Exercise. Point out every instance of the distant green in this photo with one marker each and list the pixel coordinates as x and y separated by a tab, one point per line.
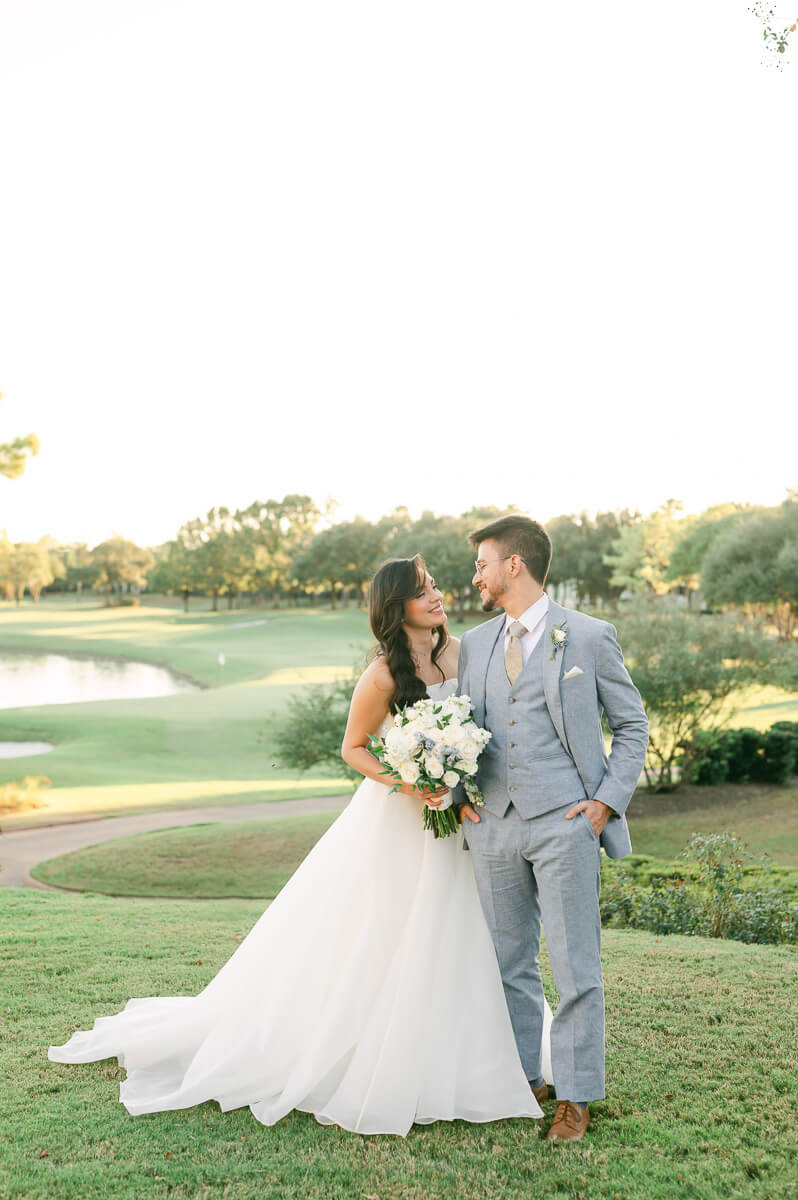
199	748
189	749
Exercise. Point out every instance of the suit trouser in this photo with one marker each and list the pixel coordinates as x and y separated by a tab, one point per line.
547	867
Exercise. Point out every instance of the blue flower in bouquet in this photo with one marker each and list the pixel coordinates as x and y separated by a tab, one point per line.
434	742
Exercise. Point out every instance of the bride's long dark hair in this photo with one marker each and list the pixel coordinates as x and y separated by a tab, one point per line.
396	581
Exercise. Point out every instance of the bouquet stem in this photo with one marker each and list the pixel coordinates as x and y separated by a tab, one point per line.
441	823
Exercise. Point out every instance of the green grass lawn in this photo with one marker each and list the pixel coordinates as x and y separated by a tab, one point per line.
234	858
198	748
189	749
701	1078
765	816
255	858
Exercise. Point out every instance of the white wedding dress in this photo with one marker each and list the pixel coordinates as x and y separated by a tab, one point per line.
368	994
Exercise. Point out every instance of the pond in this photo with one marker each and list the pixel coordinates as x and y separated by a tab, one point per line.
23	749
30	679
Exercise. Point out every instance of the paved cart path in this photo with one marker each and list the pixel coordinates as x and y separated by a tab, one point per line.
23	849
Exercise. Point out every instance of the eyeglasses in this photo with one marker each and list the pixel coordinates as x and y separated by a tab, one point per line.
480	564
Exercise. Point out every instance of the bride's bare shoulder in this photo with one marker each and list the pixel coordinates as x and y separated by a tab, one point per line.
377	677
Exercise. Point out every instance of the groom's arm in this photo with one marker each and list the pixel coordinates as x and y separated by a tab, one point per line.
627	720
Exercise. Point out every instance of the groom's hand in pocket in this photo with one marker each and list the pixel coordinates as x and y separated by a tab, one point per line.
466	810
598	814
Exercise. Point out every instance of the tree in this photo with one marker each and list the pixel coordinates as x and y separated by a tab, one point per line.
443	544
579	549
754	564
687	668
14	455
121	564
699	534
24	565
344	555
312	730
176	570
640	555
276	531
208	539
6	557
77	566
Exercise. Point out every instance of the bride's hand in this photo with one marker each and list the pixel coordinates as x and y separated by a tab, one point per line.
433	799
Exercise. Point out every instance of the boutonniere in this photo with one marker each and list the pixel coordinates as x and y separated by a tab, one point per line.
559	636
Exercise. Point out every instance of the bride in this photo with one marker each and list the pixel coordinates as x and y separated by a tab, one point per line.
368	993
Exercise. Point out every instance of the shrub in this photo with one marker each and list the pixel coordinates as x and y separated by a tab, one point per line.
689	671
790	727
744	748
23	795
707	761
708	901
776	759
735	755
311	733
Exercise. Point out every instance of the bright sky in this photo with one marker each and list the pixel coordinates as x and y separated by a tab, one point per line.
422	253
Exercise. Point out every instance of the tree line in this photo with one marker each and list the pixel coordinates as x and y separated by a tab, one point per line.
290	550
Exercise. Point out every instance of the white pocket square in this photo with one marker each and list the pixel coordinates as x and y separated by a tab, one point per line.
573	671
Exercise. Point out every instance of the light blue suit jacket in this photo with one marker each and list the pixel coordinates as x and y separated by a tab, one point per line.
575	705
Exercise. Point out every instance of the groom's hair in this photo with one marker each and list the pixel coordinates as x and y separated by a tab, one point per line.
522	536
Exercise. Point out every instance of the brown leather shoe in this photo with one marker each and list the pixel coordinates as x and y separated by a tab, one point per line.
541	1093
570	1123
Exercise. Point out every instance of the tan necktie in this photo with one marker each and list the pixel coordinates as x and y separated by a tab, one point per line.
513	658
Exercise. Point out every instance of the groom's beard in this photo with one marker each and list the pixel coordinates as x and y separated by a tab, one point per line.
489	602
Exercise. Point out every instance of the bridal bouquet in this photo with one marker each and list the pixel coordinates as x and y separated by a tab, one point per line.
434	742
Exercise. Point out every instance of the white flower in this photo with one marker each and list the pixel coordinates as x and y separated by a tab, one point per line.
398	745
433	767
469	747
409	772
559	637
451	779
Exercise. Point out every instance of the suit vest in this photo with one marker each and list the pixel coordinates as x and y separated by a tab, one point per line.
524	763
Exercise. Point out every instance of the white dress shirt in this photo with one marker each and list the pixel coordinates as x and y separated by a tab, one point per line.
534	619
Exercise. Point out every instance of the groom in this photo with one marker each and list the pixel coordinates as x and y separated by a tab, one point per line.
539	676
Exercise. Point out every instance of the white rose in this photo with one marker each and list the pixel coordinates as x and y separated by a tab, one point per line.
409	772
434	767
451	779
397	745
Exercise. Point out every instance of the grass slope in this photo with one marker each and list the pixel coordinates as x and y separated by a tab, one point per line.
255	858
701	1083
236	858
